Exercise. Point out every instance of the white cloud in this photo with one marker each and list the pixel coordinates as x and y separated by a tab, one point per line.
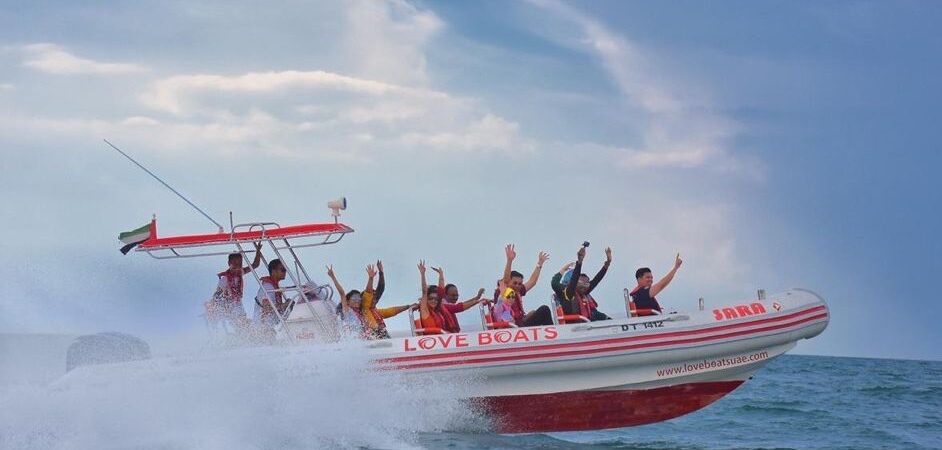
490	133
681	128
54	59
338	108
387	40
313	115
172	94
380	101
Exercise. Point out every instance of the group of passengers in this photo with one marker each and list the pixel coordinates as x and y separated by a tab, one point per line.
438	305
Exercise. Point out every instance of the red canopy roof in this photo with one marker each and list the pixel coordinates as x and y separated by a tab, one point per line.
292	231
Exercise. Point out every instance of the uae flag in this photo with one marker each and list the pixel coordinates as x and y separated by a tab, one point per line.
132	238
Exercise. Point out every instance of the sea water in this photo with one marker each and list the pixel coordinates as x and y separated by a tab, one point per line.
290	399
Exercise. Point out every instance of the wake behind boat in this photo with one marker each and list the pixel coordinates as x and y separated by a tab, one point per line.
571	375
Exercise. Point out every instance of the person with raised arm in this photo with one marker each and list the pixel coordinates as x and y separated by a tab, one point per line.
645	293
351	316
514	280
503	306
430	312
451	306
372	315
574	289
226	303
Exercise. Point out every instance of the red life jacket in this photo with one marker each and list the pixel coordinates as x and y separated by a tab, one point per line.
448	322
587	304
278	298
233	293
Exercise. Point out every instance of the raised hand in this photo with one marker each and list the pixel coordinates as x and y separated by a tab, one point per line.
480	293
421	266
258	246
370	271
608	255
379	265
439	271
330	271
678	261
542	258
510	252
581	253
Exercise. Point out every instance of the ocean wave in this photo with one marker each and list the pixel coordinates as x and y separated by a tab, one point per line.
903	389
774	409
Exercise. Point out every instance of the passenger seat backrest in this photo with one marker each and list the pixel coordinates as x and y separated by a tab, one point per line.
564	318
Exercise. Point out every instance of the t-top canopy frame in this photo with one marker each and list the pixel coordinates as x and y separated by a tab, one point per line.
199	245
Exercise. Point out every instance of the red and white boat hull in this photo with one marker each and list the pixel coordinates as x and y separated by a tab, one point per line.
614	373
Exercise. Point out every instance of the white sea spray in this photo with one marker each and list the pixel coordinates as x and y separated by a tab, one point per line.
290	397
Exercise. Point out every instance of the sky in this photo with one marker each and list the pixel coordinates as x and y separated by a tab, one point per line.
772	144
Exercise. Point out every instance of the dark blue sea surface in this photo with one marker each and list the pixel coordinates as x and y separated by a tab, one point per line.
795	402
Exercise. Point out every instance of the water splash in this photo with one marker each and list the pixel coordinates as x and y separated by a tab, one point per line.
249	398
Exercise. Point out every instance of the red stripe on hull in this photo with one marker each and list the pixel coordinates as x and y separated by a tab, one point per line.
595	410
675	342
596	342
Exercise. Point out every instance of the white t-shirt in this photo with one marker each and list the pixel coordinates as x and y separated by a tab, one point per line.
263	298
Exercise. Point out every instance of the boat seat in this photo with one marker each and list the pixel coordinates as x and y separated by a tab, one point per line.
641	312
564	318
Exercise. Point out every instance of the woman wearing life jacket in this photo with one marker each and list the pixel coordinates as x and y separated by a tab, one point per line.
431	314
351	317
646	290
447	295
374	325
574	290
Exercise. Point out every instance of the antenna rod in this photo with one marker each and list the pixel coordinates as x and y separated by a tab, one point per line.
165	184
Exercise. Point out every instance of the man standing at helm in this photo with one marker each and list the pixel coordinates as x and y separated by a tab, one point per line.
270	301
227	300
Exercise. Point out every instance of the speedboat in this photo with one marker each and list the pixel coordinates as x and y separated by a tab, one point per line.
572	375
615	373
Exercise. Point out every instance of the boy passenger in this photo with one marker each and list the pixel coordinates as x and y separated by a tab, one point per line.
227	300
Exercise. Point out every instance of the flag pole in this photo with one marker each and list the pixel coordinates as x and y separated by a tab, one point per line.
221	229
